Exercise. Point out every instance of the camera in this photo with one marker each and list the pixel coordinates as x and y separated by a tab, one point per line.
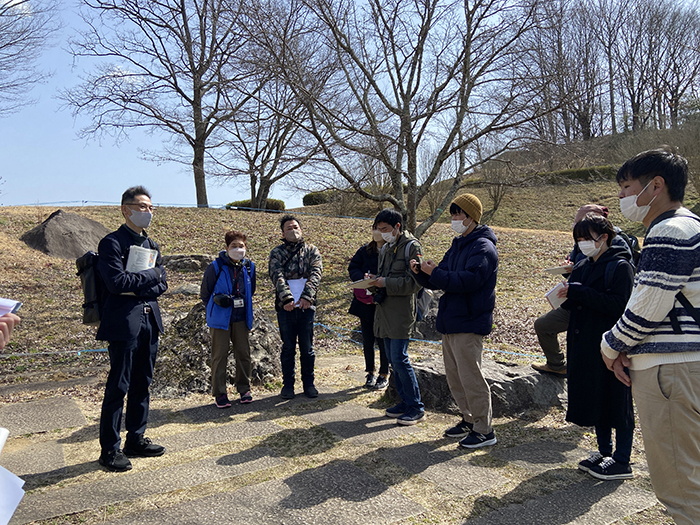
379	296
223	300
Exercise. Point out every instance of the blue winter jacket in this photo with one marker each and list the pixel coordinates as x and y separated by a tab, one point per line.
467	274
218	280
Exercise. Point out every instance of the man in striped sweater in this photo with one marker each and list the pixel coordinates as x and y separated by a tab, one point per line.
657	340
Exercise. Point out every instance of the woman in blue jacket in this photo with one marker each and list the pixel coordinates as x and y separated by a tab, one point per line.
467	274
227	291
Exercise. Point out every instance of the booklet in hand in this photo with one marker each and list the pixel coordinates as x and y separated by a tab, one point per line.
553	298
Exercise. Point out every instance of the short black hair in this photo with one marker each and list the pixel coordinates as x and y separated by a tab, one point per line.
595	223
129	195
389	216
662	162
456	210
287	218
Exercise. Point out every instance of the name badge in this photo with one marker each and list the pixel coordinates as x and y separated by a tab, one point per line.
238	303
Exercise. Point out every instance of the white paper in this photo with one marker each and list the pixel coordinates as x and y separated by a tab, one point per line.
140	259
559	270
7	305
296	286
3	437
553	298
11	494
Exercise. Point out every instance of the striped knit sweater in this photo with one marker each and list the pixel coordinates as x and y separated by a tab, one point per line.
670	263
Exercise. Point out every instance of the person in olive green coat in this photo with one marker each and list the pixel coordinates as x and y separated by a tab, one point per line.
395	314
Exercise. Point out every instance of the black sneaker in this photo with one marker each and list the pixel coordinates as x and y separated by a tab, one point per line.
115	460
310	391
371	381
411	417
476	440
222	401
382	382
287	392
594	459
609	469
143	447
461	429
396	410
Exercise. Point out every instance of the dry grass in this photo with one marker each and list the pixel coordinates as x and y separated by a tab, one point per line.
51	323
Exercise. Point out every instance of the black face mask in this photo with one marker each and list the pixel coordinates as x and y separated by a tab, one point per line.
223	300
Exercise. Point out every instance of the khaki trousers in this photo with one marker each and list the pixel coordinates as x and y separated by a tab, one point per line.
668	403
462	355
238	335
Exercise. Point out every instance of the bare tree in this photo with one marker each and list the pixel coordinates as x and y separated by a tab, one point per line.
26	30
265	139
412	72
165	66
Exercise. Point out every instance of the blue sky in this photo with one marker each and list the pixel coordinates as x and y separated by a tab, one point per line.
43	160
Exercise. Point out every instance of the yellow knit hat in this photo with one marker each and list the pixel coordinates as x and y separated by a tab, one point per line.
469	205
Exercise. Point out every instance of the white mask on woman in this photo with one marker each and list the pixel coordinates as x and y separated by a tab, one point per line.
236	254
588	248
630	209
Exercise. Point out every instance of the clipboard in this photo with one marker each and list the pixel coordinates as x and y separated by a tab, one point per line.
363	283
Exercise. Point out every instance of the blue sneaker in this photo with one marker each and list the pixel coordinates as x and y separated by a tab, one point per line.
413	416
396	410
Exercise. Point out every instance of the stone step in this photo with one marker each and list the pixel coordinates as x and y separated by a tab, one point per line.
132	485
338	493
43	415
590	502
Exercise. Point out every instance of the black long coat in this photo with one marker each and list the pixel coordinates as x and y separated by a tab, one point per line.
596	397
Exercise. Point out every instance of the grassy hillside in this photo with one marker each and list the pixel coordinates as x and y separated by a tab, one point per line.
532	226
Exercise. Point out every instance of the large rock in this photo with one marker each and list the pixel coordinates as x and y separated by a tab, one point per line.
184	355
65	235
187	263
514	388
425	328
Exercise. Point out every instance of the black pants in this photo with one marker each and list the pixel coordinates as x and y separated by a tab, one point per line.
131	372
366	314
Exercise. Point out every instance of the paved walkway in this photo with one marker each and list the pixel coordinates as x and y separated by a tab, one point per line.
332	460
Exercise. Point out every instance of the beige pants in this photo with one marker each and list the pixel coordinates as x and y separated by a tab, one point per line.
668	403
462	355
238	335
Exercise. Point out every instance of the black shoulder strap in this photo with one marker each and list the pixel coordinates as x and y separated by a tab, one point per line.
296	250
692	311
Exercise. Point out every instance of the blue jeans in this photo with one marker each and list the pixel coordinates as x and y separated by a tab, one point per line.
404	376
297	326
623	442
131	371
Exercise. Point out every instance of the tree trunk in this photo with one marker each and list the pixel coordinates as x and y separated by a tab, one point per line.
200	183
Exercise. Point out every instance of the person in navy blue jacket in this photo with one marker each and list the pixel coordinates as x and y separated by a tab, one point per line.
467	274
362	264
131	322
227	290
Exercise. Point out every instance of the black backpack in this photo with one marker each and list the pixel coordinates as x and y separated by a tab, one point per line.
91	283
633	244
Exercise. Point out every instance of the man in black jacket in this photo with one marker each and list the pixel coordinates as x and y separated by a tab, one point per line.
131	322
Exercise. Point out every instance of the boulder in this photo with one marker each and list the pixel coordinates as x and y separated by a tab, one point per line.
65	235
187	263
514	388
425	328
184	355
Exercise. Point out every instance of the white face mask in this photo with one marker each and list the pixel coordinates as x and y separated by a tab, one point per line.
588	248
629	208
236	254
293	235
459	226
389	236
141	219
